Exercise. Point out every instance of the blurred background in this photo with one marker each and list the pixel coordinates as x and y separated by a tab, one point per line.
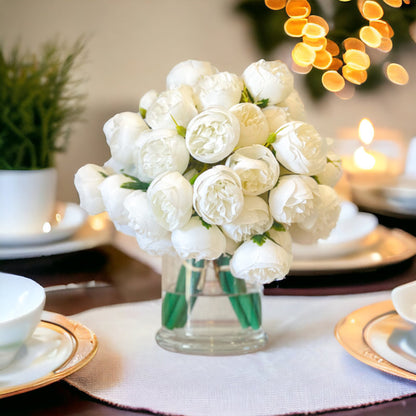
132	44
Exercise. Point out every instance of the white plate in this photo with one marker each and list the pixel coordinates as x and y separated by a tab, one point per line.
97	230
71	219
393	246
402	193
394	340
397	199
355	331
57	348
350	235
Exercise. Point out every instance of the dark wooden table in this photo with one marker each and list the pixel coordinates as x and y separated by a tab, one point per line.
116	278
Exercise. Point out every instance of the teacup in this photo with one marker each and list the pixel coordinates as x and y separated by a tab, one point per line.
21	304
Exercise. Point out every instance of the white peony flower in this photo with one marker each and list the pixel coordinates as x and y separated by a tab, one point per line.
171	106
122	132
322	220
218	90
113	197
254	219
87	179
146	101
260	263
300	148
276	117
292	200
257	168
170	196
141	218
159	151
270	80
218	196
198	241
294	106
188	73
253	124
332	172
282	237
212	135
156	246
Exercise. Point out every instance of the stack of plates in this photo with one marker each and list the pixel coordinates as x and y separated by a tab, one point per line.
72	231
383	335
396	197
357	242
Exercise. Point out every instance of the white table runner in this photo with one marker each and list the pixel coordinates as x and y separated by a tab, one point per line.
303	369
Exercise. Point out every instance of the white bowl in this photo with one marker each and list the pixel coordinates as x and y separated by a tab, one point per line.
21	304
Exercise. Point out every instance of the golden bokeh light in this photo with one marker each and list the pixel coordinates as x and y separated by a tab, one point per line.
356	59
370	36
354	43
275	4
333	81
294	27
322	60
371	10
318	44
303	54
298	8
386	45
345	64
335	64
393	3
354	76
382	27
332	47
397	74
313	31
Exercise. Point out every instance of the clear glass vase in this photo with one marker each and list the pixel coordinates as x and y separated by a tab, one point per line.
207	311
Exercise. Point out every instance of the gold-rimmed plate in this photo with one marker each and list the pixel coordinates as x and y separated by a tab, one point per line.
352	333
58	348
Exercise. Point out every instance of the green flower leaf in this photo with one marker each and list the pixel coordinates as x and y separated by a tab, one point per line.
103	174
259	239
135	184
263	103
143	112
316	179
277	226
205	224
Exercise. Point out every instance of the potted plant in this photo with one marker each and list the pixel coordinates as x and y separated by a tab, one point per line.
39	101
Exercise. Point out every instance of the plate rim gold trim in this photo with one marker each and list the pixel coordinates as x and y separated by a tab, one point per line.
349	332
85	348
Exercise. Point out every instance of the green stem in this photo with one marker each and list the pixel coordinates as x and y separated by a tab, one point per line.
244	304
176	306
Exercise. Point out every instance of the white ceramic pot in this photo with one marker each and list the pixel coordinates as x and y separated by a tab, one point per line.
27	200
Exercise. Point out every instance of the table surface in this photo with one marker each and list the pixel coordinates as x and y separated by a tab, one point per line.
105	276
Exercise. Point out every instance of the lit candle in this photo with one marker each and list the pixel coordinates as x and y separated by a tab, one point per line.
363	157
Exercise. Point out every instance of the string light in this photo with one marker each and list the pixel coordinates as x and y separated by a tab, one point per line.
316	50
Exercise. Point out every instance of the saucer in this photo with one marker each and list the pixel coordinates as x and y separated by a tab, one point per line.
71	219
57	348
393	339
367	335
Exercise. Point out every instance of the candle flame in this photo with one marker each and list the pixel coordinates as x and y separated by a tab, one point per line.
363	159
366	131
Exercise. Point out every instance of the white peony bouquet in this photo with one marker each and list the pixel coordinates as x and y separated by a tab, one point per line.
218	164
